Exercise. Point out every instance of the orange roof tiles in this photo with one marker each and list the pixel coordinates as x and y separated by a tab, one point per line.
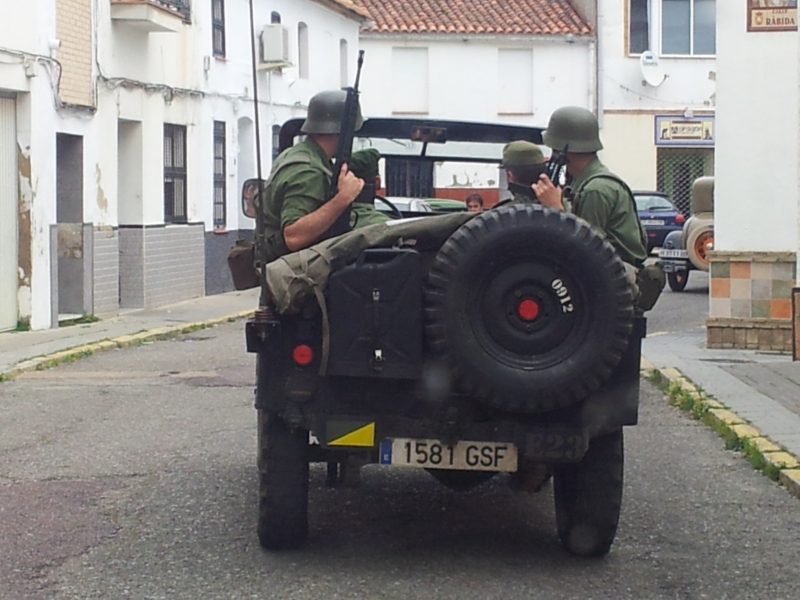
521	17
349	5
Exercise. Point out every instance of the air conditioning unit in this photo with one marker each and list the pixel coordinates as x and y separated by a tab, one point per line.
274	46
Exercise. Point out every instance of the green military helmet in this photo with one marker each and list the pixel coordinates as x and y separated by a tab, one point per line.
520	153
364	164
325	112
573	126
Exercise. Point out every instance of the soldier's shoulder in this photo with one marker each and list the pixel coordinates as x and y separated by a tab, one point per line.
605	181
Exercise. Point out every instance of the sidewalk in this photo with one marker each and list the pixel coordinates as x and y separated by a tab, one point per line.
755	395
752	396
28	350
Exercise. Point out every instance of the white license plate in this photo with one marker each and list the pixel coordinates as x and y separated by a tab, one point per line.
673	254
463	456
652	222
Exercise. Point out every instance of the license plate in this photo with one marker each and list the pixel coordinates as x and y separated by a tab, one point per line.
463	456
652	222
673	254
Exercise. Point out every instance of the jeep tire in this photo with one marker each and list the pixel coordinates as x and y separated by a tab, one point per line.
530	308
677	280
588	497
283	483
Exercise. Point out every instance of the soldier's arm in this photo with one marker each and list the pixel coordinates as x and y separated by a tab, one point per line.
305	216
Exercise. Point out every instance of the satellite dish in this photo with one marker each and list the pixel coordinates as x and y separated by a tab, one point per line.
652	73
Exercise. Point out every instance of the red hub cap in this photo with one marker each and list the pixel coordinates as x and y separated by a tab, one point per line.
528	309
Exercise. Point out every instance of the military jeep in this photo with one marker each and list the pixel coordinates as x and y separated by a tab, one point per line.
505	343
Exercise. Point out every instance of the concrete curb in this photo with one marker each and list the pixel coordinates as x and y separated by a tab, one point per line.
763	453
48	361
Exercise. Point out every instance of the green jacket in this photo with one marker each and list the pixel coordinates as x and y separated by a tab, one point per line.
300	182
608	206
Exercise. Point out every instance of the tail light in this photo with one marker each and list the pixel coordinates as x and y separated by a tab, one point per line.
679	218
303	355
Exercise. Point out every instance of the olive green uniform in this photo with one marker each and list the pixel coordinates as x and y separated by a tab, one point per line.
299	184
606	204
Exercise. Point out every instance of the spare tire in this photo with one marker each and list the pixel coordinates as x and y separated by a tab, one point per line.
530	308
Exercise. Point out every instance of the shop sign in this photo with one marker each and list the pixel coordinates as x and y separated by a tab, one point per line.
674	130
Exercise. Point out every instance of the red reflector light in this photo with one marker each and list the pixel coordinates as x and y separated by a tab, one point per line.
679	218
303	355
528	309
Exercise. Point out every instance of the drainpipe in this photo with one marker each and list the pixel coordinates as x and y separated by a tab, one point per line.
598	60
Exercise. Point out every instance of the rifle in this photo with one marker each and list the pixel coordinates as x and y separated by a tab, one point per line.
556	164
345	148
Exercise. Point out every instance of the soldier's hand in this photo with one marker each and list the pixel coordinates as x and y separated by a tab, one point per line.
548	193
350	186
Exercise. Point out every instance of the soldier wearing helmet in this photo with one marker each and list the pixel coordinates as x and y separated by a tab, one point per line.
523	162
297	205
598	196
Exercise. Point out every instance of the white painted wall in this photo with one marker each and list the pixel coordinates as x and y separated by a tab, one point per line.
690	81
173	65
629	105
629	150
756	191
463	76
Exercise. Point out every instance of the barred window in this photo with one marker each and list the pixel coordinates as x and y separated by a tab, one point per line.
219	175
218	26
175	174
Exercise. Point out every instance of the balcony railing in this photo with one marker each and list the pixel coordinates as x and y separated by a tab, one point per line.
180	6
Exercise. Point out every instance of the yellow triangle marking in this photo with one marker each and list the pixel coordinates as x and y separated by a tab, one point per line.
363	436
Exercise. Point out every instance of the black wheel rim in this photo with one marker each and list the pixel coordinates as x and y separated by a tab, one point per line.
531	313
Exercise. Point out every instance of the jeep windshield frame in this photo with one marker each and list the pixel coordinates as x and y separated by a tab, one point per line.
397	137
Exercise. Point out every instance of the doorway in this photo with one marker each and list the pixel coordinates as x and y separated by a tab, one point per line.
69	217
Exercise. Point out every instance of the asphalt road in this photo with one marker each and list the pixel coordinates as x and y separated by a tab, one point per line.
131	475
681	311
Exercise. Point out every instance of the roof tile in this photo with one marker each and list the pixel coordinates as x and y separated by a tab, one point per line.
522	17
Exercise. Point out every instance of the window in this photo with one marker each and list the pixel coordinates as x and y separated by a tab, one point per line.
219	175
174	174
302	50
638	26
410	80
688	27
218	26
275	18
343	64
515	78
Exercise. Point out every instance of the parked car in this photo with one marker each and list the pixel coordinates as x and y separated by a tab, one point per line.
688	249
658	215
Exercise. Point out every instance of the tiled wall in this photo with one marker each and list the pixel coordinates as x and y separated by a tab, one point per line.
74	30
106	272
161	265
751	304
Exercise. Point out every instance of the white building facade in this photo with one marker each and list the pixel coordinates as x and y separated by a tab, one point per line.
756	228
126	129
657	90
478	63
